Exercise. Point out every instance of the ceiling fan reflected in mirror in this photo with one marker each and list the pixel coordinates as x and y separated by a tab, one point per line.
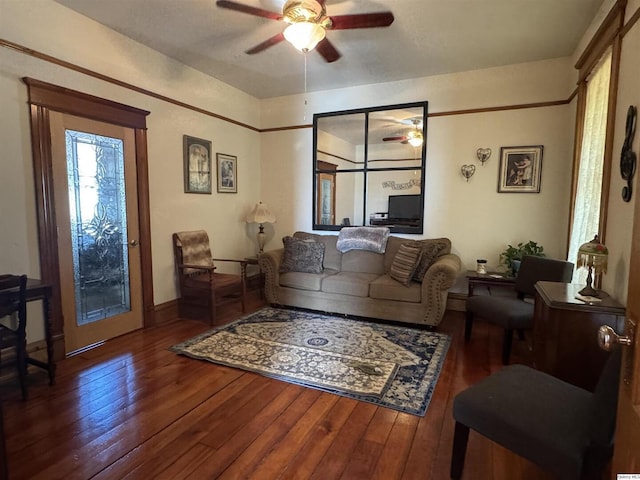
308	23
412	137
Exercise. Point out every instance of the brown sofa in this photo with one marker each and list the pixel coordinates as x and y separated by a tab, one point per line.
358	282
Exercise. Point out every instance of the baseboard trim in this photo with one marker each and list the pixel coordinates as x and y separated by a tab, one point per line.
167	312
457	302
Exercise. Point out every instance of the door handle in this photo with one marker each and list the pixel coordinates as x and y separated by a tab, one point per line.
133	243
607	338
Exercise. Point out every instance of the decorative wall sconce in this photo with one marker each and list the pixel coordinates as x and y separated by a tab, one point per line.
467	171
483	154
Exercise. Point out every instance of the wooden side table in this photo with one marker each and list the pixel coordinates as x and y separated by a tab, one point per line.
489	279
258	278
39	290
565	332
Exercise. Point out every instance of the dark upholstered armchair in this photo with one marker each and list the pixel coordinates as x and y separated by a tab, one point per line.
202	290
514	313
562	428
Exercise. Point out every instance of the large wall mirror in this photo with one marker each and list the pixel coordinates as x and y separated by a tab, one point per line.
368	168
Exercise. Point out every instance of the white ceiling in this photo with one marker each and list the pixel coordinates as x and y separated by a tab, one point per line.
428	37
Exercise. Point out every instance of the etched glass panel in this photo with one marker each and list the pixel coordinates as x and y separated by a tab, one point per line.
95	172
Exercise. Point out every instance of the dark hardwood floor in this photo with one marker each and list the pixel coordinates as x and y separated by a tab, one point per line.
133	409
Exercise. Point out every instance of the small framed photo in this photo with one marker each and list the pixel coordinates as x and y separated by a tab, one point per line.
520	169
227	173
197	165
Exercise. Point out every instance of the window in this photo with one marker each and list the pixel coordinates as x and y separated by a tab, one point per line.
593	151
586	211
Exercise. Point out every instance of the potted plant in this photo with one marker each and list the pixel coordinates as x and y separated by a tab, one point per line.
512	256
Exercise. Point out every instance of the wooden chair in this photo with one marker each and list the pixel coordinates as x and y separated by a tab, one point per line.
202	289
11	336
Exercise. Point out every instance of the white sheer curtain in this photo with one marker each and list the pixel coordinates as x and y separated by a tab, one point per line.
586	215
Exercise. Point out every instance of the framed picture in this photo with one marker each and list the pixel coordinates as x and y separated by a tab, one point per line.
197	165
520	169
227	173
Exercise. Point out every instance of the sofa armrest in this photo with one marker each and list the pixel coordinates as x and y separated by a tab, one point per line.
270	265
440	277
444	271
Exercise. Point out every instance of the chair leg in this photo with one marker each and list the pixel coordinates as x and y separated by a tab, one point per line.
212	306
506	345
244	297
468	325
21	361
460	437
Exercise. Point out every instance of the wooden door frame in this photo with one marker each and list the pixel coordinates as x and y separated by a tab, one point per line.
331	176
43	98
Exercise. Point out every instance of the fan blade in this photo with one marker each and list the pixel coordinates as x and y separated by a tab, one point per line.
328	51
266	44
239	7
362	20
396	138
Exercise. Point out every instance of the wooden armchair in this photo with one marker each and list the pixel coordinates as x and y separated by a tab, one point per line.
202	290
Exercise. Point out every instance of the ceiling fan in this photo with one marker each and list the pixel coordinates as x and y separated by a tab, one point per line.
413	137
307	24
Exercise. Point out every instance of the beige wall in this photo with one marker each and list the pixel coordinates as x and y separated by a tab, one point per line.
71	37
620	220
479	221
276	167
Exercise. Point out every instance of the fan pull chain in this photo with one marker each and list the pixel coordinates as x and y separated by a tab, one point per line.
304	118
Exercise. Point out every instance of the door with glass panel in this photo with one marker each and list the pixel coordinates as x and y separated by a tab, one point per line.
95	188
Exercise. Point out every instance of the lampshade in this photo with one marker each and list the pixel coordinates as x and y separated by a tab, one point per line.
261	214
593	254
304	35
415	138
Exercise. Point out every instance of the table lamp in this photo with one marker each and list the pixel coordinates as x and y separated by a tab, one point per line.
261	215
593	256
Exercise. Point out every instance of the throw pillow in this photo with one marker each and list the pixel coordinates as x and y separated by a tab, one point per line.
430	251
405	263
302	256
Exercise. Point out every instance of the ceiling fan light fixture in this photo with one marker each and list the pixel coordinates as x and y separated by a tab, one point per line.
415	138
304	36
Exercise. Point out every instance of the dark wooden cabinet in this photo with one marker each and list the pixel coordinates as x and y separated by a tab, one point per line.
565	333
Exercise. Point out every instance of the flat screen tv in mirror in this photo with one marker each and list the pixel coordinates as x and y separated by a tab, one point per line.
405	209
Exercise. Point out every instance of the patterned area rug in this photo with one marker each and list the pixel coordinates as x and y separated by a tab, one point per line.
391	366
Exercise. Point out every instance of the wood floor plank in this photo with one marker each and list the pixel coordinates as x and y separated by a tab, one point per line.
213	425
310	401
305	461
278	458
392	461
361	464
219	460
240	410
337	456
163	448
132	409
131	426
